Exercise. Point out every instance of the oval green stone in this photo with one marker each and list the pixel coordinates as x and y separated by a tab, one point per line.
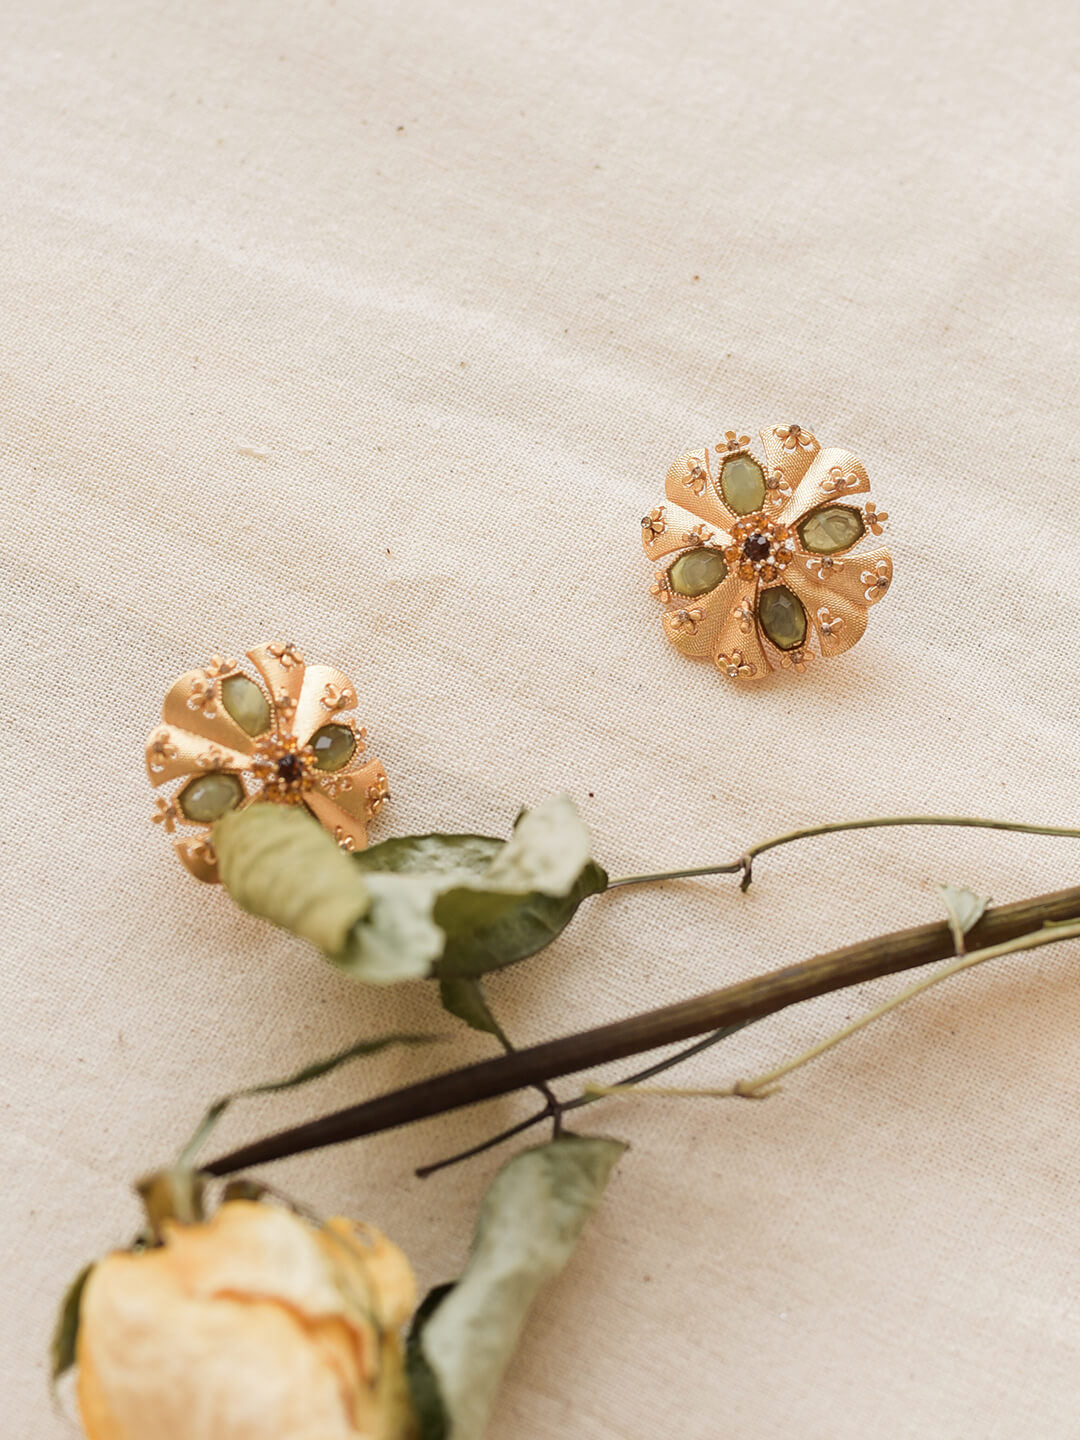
333	745
697	572
246	703
207	797
782	617
836	527
742	484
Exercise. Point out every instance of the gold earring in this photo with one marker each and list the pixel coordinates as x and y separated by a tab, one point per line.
758	569
283	737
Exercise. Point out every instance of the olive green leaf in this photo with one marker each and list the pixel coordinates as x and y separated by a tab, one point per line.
314	1071
173	1194
499	901
466	1000
399	938
452	905
964	908
66	1332
427	1402
529	1223
279	863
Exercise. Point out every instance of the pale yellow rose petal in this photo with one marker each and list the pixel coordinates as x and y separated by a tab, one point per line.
253	1326
166	1366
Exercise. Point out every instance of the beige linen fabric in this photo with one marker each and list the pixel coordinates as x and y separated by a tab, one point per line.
376	327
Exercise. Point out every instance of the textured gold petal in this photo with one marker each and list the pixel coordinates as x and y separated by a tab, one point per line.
193	704
282	667
836	616
346	804
679	524
792	463
693	621
869	569
171	752
732	636
834	474
197	855
691	484
324	693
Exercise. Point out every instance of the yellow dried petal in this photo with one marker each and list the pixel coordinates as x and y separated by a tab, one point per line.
247	1327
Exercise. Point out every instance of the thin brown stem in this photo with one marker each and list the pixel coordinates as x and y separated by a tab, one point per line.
745	1001
586	1098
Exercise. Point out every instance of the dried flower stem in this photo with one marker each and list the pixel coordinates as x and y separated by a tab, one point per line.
764	1085
578	1101
671	1024
745	863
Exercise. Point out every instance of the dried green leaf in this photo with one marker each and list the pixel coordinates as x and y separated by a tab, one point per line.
466	1000
964	908
314	1071
399	938
529	1223
435	854
454	905
548	850
279	863
486	931
499	901
427	1403
174	1194
66	1333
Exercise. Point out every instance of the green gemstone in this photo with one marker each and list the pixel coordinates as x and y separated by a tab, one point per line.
782	617
207	797
697	572
246	703
334	746
833	528
742	484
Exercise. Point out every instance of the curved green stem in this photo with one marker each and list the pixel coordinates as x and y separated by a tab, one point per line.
745	862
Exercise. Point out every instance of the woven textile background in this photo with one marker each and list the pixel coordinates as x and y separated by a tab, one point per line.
375	326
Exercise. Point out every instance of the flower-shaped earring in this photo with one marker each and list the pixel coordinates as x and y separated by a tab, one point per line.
761	574
287	735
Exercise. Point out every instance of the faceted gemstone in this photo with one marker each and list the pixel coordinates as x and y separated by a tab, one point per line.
290	767
695	573
207	797
742	484
833	528
246	703
782	617
756	547
333	745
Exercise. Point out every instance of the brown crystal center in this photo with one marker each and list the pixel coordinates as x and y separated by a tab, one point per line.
756	547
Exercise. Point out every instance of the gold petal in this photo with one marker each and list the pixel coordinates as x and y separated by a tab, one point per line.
171	753
197	855
867	576
817	486
193	704
679	524
731	636
691	483
282	667
793	463
696	637
324	693
346	804
827	599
